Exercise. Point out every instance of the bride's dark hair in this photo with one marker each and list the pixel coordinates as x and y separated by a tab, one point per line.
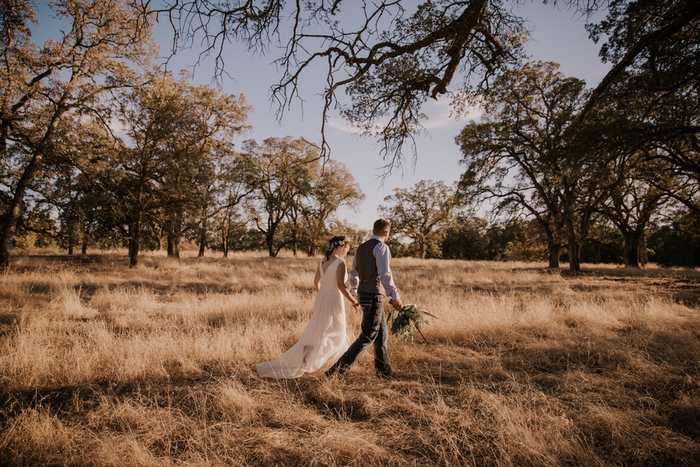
334	243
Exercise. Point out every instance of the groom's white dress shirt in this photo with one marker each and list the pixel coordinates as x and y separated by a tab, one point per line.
382	255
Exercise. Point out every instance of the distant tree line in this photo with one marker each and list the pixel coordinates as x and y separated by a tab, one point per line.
433	220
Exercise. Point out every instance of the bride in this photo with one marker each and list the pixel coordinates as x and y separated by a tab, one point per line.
325	337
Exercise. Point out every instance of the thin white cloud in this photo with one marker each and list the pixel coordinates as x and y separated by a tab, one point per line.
338	124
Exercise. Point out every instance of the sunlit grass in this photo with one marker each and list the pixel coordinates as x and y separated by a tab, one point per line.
101	364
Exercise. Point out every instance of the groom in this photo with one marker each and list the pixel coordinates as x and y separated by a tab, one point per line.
370	280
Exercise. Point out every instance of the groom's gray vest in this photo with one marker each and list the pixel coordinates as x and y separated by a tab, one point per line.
367	268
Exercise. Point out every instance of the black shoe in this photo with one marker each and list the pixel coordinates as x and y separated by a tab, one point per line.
385	374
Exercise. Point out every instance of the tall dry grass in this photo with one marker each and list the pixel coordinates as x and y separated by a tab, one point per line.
105	365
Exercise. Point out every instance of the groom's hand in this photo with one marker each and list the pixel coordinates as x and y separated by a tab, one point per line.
397	304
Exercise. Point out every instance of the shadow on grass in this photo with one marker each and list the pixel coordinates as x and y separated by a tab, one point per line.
629	398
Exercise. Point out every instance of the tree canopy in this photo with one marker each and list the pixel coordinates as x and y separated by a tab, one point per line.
422	213
391	56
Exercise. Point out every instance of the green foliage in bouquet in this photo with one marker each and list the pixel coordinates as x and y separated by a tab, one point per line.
408	321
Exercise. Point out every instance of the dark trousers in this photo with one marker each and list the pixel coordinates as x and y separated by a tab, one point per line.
374	332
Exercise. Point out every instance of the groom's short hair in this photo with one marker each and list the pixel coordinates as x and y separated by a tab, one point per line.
381	226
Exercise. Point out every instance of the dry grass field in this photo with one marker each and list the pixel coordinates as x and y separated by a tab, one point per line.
103	365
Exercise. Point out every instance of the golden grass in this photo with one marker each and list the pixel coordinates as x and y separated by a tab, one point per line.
155	366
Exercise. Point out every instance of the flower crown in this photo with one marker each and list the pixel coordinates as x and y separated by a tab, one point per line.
333	244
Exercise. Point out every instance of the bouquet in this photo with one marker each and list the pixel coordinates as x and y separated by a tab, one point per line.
409	320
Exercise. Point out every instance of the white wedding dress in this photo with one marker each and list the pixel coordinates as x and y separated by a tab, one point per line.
325	338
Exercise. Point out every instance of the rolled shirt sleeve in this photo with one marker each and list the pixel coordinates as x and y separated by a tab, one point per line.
354	279
382	254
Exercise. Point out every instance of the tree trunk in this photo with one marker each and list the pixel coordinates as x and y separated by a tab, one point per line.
295	243
643	258
574	251
270	246
202	243
134	244
86	234
270	239
202	236
15	211
573	247
135	230
72	234
421	246
551	232
631	247
173	229
225	235
554	254
173	245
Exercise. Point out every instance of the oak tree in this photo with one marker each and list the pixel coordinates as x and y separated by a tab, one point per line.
332	187
282	172
65	77
176	135
421	213
522	156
